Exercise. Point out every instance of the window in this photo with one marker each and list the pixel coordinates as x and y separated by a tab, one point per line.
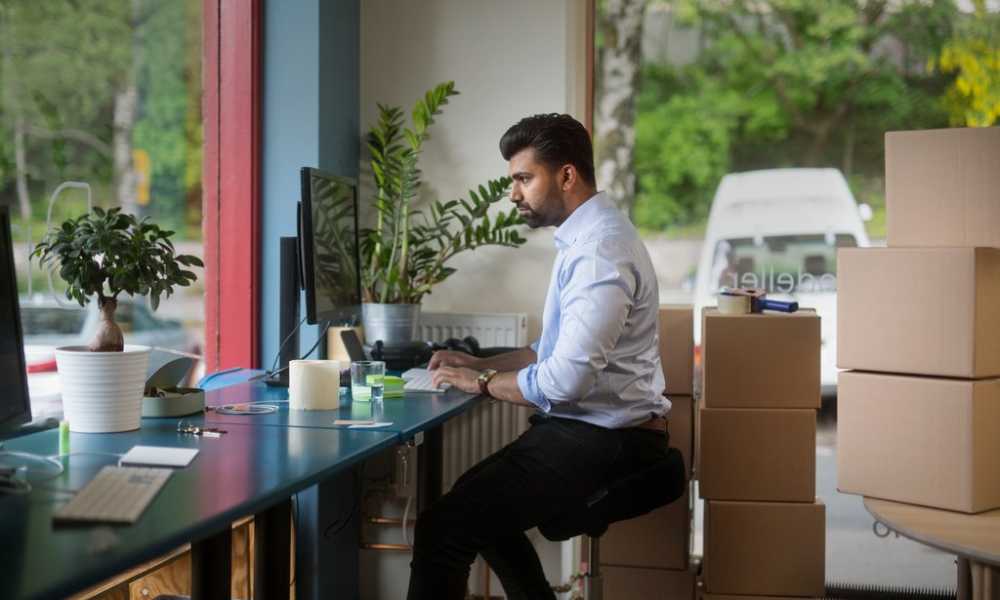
108	94
745	138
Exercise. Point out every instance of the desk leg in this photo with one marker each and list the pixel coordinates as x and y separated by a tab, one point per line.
272	552
964	590
211	567
985	581
430	467
327	530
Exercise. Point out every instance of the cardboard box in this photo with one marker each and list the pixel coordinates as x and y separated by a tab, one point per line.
920	440
766	360
925	311
662	538
628	583
942	187
758	454
677	347
765	548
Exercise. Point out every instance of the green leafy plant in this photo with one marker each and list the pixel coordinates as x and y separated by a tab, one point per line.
405	254
104	253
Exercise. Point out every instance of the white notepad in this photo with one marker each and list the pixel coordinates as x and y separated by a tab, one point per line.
159	456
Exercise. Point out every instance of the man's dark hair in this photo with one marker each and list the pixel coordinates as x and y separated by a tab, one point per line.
557	140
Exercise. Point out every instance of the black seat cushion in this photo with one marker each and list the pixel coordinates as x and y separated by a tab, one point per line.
626	498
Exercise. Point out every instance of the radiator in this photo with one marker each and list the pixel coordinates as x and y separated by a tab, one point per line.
488	426
489	329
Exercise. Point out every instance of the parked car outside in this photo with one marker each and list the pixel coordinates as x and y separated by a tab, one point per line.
48	324
779	229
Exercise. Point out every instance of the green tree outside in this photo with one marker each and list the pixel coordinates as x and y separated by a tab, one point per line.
62	68
786	83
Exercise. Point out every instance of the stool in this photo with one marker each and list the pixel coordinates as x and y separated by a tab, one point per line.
635	495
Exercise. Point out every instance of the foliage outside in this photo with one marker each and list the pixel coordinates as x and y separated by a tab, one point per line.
85	89
796	83
406	253
973	54
104	253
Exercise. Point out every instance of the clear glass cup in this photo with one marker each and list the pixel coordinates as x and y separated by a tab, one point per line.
368	381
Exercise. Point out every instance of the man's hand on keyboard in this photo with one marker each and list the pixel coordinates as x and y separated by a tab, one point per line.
464	379
453	358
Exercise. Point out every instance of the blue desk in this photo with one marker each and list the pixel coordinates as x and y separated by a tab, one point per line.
251	470
413	413
246	471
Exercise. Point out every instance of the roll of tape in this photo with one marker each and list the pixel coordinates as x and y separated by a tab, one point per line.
314	384
732	304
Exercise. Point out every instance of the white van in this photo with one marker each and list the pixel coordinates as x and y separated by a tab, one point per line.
779	229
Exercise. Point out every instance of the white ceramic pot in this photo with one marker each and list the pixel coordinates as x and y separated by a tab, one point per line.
102	391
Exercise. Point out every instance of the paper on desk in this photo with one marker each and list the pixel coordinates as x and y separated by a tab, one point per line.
361	423
157	456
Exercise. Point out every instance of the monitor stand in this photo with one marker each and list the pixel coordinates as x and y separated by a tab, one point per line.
288	310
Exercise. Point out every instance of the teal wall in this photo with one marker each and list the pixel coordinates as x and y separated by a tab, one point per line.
310	113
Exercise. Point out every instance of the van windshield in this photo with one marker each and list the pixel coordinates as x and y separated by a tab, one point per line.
782	264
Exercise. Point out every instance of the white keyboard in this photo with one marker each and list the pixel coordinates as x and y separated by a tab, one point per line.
419	380
116	495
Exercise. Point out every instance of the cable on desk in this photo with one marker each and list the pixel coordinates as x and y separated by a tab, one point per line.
273	371
277	355
15	486
246	409
27	460
212	376
84	453
406	514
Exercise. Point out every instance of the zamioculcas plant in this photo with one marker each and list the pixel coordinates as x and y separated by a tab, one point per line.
104	253
405	254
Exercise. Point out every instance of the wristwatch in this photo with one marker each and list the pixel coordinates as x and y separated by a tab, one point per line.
485	376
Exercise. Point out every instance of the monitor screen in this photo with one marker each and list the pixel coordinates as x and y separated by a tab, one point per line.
328	242
15	408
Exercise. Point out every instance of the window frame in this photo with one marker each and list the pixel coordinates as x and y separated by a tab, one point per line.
231	101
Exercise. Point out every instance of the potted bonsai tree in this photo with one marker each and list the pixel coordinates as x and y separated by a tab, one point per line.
406	253
100	255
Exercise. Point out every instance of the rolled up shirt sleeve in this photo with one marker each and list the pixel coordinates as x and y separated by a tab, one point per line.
527	381
595	302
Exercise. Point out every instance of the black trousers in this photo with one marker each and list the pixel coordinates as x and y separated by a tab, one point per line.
555	466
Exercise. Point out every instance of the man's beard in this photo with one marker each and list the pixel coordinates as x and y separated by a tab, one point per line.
532	219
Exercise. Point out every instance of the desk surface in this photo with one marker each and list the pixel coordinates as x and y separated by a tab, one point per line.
976	537
413	413
245	471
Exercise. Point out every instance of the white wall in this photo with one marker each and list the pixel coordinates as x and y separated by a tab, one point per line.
509	60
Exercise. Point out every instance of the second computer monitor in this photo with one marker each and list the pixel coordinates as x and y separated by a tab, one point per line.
15	407
328	244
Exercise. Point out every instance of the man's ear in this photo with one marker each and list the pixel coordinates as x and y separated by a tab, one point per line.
569	176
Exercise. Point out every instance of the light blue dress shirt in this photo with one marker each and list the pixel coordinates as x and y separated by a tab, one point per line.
598	357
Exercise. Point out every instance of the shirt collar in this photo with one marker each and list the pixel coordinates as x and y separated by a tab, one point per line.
580	220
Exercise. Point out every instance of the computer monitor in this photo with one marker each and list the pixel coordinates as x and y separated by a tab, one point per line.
15	406
328	248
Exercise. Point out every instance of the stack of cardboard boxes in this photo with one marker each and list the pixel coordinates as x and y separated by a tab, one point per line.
919	324
765	530
649	556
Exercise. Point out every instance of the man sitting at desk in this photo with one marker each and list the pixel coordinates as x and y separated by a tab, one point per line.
594	377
